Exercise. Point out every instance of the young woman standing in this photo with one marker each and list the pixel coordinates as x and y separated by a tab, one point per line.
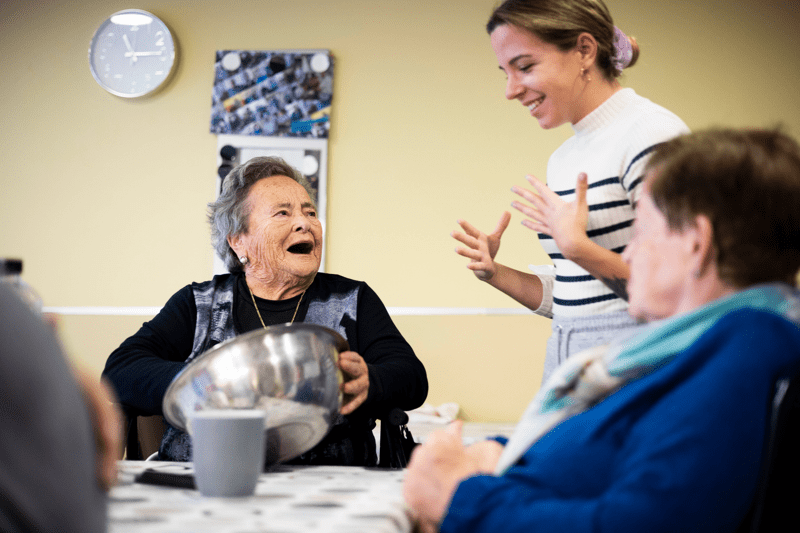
562	59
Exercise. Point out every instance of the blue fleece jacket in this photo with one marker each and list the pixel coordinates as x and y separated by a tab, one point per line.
677	450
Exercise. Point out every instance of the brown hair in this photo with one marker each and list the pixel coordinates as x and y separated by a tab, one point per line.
747	182
560	22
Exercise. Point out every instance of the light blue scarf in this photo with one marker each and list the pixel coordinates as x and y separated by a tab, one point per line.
589	376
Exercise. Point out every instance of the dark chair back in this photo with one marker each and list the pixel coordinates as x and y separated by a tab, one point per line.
143	436
397	443
776	507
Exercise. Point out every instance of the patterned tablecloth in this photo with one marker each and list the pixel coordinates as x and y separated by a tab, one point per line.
289	499
336	499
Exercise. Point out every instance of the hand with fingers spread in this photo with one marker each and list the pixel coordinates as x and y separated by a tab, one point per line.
549	214
481	248
356	381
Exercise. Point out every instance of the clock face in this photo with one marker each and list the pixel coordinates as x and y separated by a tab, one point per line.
132	53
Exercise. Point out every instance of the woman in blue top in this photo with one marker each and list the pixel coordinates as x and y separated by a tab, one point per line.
665	430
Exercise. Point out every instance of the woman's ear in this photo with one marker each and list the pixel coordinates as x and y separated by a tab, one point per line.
702	242
586	46
235	242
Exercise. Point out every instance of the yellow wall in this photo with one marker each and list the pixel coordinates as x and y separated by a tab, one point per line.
104	198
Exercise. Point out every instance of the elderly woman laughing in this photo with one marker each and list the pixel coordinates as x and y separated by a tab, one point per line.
265	227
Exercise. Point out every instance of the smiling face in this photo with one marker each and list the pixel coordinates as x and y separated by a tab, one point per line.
283	242
545	79
661	264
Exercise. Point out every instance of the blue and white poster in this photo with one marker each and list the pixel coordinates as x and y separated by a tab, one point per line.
279	93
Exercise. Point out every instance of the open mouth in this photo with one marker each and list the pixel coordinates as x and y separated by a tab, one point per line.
304	248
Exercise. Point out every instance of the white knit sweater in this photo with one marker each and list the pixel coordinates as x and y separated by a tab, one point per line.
611	145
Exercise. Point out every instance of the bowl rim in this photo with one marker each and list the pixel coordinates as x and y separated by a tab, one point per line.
340	343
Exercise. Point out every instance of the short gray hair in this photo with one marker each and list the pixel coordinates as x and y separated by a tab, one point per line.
229	213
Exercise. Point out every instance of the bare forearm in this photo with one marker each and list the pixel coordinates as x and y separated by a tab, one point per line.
523	287
603	264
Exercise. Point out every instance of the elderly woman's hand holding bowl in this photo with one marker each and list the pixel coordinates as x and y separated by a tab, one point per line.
663	430
265	227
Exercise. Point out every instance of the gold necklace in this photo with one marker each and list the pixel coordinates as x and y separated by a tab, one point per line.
259	312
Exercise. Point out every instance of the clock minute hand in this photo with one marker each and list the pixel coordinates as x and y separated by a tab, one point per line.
127	42
137	54
130	53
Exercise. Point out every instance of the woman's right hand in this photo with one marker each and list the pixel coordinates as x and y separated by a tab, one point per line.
481	248
435	470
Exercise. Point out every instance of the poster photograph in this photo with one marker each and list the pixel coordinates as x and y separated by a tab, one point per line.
280	93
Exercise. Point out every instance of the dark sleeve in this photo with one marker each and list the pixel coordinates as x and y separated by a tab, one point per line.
145	364
396	377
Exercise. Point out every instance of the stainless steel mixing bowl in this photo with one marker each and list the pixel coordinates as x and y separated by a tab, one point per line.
290	371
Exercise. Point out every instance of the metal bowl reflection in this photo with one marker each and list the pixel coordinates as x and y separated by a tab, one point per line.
290	371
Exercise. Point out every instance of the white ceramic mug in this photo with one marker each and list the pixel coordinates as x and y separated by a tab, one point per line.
227	450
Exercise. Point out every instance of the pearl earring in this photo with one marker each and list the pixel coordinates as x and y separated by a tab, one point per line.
243	260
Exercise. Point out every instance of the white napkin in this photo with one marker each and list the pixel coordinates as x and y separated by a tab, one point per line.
443	414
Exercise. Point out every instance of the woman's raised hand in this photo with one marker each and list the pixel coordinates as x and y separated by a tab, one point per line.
481	248
549	214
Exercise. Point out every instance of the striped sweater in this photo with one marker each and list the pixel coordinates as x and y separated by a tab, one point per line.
611	145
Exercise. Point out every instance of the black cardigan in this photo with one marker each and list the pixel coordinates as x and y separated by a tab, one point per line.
145	364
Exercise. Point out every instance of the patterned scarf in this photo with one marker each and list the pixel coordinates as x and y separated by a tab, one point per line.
590	376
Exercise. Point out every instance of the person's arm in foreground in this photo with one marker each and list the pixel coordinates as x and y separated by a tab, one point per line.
48	452
107	423
437	467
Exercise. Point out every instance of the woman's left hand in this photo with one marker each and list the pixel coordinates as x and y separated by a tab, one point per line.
356	381
549	214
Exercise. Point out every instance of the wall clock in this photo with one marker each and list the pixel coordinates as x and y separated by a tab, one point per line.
132	53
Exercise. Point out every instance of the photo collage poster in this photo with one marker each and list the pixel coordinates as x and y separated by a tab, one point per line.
279	93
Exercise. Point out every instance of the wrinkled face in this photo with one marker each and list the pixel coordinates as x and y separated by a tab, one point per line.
660	262
543	78
284	239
